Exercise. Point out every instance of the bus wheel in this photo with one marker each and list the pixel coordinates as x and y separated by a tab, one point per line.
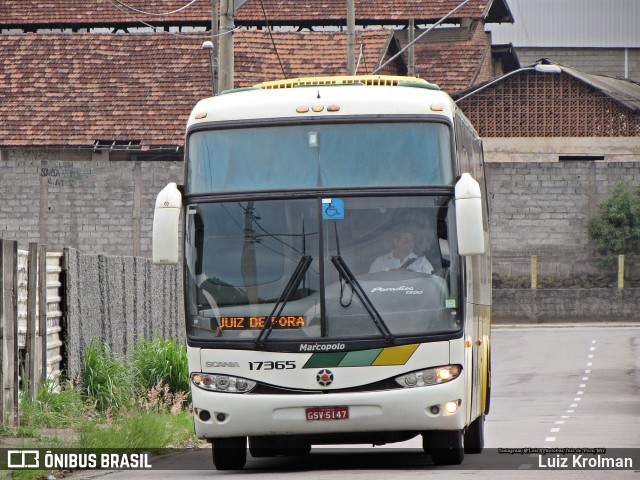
230	453
445	447
474	436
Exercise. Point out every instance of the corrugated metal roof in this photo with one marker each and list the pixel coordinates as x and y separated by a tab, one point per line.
571	23
625	92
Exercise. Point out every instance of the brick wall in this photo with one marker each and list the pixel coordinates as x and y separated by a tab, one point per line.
68	199
566	305
81	200
542	208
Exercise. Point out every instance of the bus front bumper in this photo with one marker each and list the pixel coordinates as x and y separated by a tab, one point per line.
408	409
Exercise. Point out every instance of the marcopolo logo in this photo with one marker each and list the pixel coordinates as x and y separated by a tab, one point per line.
321	347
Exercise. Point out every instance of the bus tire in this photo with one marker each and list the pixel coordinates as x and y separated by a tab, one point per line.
230	453
445	447
474	436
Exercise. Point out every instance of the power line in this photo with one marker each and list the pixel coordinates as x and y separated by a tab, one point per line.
165	14
266	21
156	29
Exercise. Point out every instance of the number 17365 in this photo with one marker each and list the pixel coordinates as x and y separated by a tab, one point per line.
277	365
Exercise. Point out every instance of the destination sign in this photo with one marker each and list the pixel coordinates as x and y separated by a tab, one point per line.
247	323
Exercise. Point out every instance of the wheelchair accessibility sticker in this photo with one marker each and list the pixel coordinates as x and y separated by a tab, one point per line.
332	209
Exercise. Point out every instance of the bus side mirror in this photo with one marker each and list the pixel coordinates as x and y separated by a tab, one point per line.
166	223
469	216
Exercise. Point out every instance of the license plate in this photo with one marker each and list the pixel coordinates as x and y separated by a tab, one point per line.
327	413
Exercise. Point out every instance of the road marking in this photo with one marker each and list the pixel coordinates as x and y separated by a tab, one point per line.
573	406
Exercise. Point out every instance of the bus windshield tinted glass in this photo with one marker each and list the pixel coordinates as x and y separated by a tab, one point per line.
331	268
309	156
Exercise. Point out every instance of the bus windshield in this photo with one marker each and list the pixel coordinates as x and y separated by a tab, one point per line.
321	268
319	155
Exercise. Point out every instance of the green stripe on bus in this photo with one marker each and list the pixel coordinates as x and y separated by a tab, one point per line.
362	358
322	360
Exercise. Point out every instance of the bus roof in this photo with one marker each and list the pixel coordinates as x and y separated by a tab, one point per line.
326	97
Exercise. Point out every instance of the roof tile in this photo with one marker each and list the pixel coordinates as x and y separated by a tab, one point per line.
58	13
142	87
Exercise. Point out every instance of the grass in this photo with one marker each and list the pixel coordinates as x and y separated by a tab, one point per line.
161	361
136	401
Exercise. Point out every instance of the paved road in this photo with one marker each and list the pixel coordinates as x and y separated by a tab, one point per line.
553	387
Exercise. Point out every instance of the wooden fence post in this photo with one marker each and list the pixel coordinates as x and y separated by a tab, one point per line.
534	272
9	331
31	349
620	272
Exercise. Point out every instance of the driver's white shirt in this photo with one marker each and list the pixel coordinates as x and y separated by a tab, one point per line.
389	262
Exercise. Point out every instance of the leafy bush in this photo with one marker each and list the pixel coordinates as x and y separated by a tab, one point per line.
615	226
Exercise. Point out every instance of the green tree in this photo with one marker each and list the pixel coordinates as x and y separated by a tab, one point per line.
615	226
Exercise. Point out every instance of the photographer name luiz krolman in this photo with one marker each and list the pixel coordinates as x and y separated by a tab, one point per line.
21	459
574	459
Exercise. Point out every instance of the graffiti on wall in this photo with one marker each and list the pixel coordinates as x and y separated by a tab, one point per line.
67	174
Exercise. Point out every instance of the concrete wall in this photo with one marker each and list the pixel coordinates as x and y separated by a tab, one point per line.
539	206
80	199
117	299
568	305
543	209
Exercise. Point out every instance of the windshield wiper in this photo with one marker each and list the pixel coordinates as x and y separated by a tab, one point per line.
351	280
285	296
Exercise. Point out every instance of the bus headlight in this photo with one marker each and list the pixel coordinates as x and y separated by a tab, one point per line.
430	376
222	383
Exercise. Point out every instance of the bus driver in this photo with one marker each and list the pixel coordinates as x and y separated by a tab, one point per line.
402	256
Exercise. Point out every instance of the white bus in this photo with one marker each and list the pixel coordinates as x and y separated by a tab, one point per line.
337	278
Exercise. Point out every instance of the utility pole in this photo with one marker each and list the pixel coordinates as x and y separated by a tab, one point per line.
411	30
351	37
225	59
215	39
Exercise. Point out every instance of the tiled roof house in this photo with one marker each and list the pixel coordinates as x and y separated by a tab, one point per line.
135	92
159	76
122	14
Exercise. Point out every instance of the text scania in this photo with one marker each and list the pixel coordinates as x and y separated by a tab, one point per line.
321	347
406	290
